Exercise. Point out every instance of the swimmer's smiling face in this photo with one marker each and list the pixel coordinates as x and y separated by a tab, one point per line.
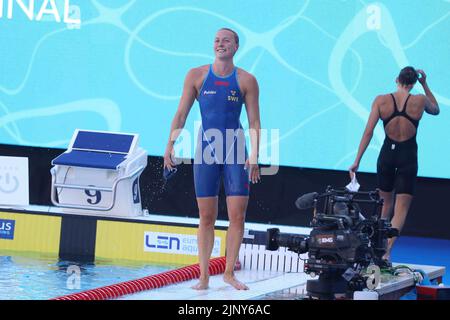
225	45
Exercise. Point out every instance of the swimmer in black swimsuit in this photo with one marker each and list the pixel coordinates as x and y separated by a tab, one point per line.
397	162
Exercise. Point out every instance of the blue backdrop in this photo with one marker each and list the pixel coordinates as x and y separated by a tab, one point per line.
319	65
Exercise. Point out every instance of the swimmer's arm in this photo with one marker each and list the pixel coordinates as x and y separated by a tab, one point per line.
368	133
251	100
185	105
431	104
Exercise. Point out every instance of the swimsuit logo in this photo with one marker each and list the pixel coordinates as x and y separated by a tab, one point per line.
209	92
222	83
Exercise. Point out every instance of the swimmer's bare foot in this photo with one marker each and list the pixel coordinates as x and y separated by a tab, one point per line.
202	284
231	279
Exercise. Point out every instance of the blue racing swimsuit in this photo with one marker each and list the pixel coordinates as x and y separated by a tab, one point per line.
221	151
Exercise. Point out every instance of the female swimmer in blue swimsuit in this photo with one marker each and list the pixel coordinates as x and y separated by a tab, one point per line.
221	89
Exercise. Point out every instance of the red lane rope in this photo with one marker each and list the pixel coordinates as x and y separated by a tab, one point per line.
216	266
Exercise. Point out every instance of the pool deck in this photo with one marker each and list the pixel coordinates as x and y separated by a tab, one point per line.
264	284
273	285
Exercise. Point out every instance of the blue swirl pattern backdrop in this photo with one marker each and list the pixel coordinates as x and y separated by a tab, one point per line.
319	63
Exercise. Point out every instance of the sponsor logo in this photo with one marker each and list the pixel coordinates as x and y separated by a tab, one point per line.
7	229
175	243
209	92
221	83
325	240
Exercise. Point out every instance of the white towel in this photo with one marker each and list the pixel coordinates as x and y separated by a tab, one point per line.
353	186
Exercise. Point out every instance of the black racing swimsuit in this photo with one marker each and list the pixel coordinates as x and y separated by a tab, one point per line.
397	162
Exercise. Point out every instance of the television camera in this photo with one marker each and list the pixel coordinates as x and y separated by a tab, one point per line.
345	248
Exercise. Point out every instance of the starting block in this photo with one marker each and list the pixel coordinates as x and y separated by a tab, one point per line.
99	172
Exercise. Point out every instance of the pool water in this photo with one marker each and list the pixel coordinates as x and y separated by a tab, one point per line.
31	277
423	251
25	277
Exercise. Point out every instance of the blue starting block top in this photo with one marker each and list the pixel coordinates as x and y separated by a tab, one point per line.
99	150
103	141
90	159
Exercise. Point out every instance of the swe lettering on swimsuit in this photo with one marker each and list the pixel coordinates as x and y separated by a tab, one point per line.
233	96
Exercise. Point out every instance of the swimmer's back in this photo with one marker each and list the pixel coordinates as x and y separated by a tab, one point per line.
400	128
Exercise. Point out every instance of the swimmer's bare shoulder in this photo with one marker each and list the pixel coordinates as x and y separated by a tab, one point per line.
419	99
382	102
247	81
383	99
196	76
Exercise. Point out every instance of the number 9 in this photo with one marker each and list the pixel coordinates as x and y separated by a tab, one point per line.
97	195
